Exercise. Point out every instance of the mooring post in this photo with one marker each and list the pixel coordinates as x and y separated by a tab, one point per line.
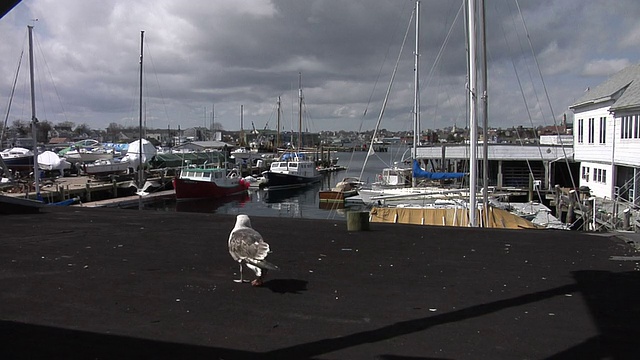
571	207
558	201
626	219
357	220
114	182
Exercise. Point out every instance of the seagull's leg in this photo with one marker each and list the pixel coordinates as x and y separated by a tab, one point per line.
258	271
240	280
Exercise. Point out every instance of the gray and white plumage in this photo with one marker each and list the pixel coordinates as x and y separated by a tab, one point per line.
247	246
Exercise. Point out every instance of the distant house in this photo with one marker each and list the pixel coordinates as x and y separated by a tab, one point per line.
607	136
59	141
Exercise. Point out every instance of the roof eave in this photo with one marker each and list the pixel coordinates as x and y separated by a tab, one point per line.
591	102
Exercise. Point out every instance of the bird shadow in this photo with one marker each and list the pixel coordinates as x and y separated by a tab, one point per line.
286	286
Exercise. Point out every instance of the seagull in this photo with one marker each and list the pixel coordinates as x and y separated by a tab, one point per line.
247	246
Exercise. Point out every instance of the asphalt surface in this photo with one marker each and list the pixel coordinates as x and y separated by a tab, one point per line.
115	284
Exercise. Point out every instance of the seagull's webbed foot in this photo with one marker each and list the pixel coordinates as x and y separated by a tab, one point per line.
259	280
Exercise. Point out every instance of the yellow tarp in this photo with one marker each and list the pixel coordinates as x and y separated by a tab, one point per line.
497	218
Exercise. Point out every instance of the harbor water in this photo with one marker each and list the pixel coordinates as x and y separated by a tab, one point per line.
293	203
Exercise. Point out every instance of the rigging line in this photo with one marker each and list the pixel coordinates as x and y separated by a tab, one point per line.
443	46
153	66
546	93
55	88
386	97
524	99
439	55
13	89
375	85
533	87
386	55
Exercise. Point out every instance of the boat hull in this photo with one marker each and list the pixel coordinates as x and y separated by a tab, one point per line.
332	199
289	181
106	167
193	189
19	163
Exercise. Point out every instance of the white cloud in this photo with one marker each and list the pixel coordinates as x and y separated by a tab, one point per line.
604	67
227	52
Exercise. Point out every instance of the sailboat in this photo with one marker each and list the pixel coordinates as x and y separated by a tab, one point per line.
295	168
446	207
398	183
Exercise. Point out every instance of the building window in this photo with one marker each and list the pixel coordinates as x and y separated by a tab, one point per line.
603	130
600	176
580	131
630	127
591	132
585	173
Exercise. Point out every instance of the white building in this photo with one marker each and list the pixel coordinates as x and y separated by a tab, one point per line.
607	136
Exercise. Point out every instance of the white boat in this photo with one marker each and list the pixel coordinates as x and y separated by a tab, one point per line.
243	153
393	177
293	169
18	158
290	171
88	155
108	166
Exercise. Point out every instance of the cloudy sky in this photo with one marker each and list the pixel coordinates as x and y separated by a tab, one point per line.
205	59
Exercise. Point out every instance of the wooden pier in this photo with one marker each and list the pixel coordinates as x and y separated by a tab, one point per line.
88	189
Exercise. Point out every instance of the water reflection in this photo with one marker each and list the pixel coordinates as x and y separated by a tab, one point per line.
295	203
212	205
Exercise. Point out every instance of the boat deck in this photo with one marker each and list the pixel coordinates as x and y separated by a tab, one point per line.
113	283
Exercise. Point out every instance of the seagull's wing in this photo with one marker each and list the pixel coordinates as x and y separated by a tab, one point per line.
246	243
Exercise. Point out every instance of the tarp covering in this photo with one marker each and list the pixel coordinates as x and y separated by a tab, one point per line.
148	151
498	218
175	160
48	160
291	156
419	173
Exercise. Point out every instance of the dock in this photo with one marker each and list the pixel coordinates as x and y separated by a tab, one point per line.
113	283
89	189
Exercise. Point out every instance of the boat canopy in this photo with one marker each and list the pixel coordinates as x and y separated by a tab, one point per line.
419	173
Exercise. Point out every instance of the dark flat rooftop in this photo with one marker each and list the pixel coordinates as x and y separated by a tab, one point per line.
111	283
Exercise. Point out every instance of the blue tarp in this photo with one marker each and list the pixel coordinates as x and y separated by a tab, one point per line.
291	156
419	173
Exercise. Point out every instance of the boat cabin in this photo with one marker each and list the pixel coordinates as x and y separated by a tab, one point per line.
395	177
205	173
302	168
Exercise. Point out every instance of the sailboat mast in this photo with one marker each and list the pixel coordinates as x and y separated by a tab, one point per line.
34	120
416	102
485	115
473	129
300	110
278	126
140	167
241	125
